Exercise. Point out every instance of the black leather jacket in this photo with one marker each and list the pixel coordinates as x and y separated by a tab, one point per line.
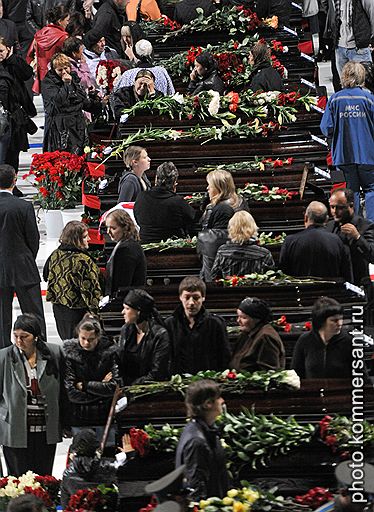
37	10
200	449
151	359
211	82
83	473
90	406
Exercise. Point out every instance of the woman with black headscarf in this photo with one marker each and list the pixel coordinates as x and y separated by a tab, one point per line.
31	399
259	346
204	76
144	340
263	77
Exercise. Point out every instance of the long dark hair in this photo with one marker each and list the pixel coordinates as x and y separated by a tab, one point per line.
33	324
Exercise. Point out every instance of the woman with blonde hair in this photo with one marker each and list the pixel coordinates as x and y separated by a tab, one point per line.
134	180
241	254
224	202
127	264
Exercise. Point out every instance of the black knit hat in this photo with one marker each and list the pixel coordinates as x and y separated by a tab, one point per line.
256	308
141	301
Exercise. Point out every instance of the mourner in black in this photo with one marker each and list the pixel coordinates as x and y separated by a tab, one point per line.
355	232
204	76
144	341
314	251
198	338
199	447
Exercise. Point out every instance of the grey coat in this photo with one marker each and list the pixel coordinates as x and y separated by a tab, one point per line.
13	397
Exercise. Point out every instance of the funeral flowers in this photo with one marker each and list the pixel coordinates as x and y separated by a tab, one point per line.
58	178
45	488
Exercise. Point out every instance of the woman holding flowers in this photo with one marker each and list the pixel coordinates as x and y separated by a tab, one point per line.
199	447
30	397
73	279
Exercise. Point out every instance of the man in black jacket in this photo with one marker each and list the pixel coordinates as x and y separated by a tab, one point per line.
108	22
19	244
314	251
355	232
37	11
199	338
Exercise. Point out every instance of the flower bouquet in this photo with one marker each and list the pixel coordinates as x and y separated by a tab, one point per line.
100	499
108	73
246	499
58	178
45	488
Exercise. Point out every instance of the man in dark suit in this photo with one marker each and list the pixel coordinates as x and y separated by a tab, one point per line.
314	251
355	232
19	244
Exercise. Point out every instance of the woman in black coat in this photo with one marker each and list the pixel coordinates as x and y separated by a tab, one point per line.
144	341
204	76
14	97
224	202
160	212
127	264
264	77
325	352
199	447
64	101
91	375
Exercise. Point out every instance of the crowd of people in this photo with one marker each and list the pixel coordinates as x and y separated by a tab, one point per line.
47	389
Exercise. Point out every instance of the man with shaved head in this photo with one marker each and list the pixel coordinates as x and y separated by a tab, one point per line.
313	251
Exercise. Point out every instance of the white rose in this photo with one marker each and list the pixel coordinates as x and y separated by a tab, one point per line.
291	378
214	104
179	98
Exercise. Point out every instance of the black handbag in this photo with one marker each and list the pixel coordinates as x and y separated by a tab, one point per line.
21	119
209	240
4	121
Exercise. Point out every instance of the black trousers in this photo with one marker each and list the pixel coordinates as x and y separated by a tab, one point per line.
30	301
37	457
67	320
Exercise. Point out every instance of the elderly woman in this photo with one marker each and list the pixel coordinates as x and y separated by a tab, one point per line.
144	341
30	423
241	254
199	447
143	88
131	33
204	76
91	376
349	121
224	202
325	352
263	77
160	212
134	180
127	254
143	55
64	101
259	346
73	279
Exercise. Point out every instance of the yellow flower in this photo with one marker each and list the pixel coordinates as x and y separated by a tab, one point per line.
232	493
203	503
238	507
227	500
251	495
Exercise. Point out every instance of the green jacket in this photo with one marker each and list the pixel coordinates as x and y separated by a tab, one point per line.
73	279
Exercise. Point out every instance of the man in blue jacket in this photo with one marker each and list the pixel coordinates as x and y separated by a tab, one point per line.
349	121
